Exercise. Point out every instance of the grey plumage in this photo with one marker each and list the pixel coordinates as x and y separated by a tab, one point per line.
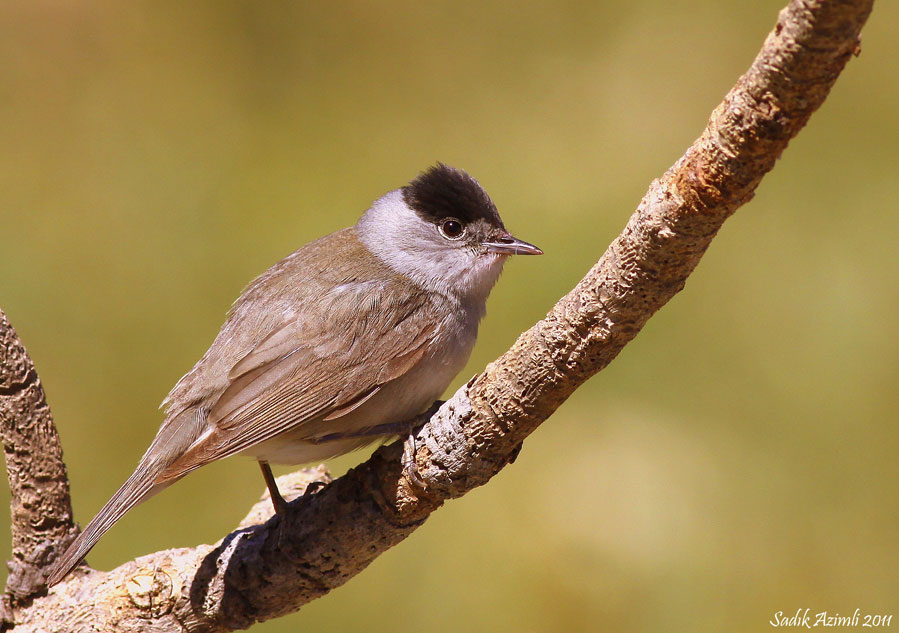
365	326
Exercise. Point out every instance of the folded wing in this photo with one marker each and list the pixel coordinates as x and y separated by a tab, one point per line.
306	369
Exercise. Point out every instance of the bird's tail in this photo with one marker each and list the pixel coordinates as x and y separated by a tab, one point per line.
153	474
139	486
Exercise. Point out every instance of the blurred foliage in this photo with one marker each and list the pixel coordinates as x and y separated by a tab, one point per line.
738	459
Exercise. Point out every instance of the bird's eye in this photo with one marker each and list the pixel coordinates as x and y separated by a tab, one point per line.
451	228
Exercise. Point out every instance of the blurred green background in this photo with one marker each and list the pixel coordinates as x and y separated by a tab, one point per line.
738	459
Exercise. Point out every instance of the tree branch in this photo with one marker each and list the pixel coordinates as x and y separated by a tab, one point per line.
265	570
40	507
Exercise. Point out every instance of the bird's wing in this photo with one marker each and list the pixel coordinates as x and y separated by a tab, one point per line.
307	368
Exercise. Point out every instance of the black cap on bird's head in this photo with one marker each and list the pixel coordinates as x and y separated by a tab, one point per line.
443	191
454	201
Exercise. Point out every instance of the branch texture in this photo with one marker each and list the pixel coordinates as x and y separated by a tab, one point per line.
41	508
265	570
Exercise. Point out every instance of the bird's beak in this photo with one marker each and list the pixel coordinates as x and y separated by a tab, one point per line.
505	244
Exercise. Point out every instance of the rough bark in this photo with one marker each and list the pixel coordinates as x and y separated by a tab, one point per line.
263	570
41	509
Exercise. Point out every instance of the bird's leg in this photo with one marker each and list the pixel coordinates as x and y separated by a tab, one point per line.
278	501
406	428
390	428
409	450
410	467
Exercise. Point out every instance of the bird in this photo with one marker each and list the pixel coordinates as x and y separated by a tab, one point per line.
334	347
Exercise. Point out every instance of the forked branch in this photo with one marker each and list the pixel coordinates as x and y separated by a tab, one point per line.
264	570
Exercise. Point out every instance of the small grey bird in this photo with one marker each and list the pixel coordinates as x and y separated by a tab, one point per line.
335	346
